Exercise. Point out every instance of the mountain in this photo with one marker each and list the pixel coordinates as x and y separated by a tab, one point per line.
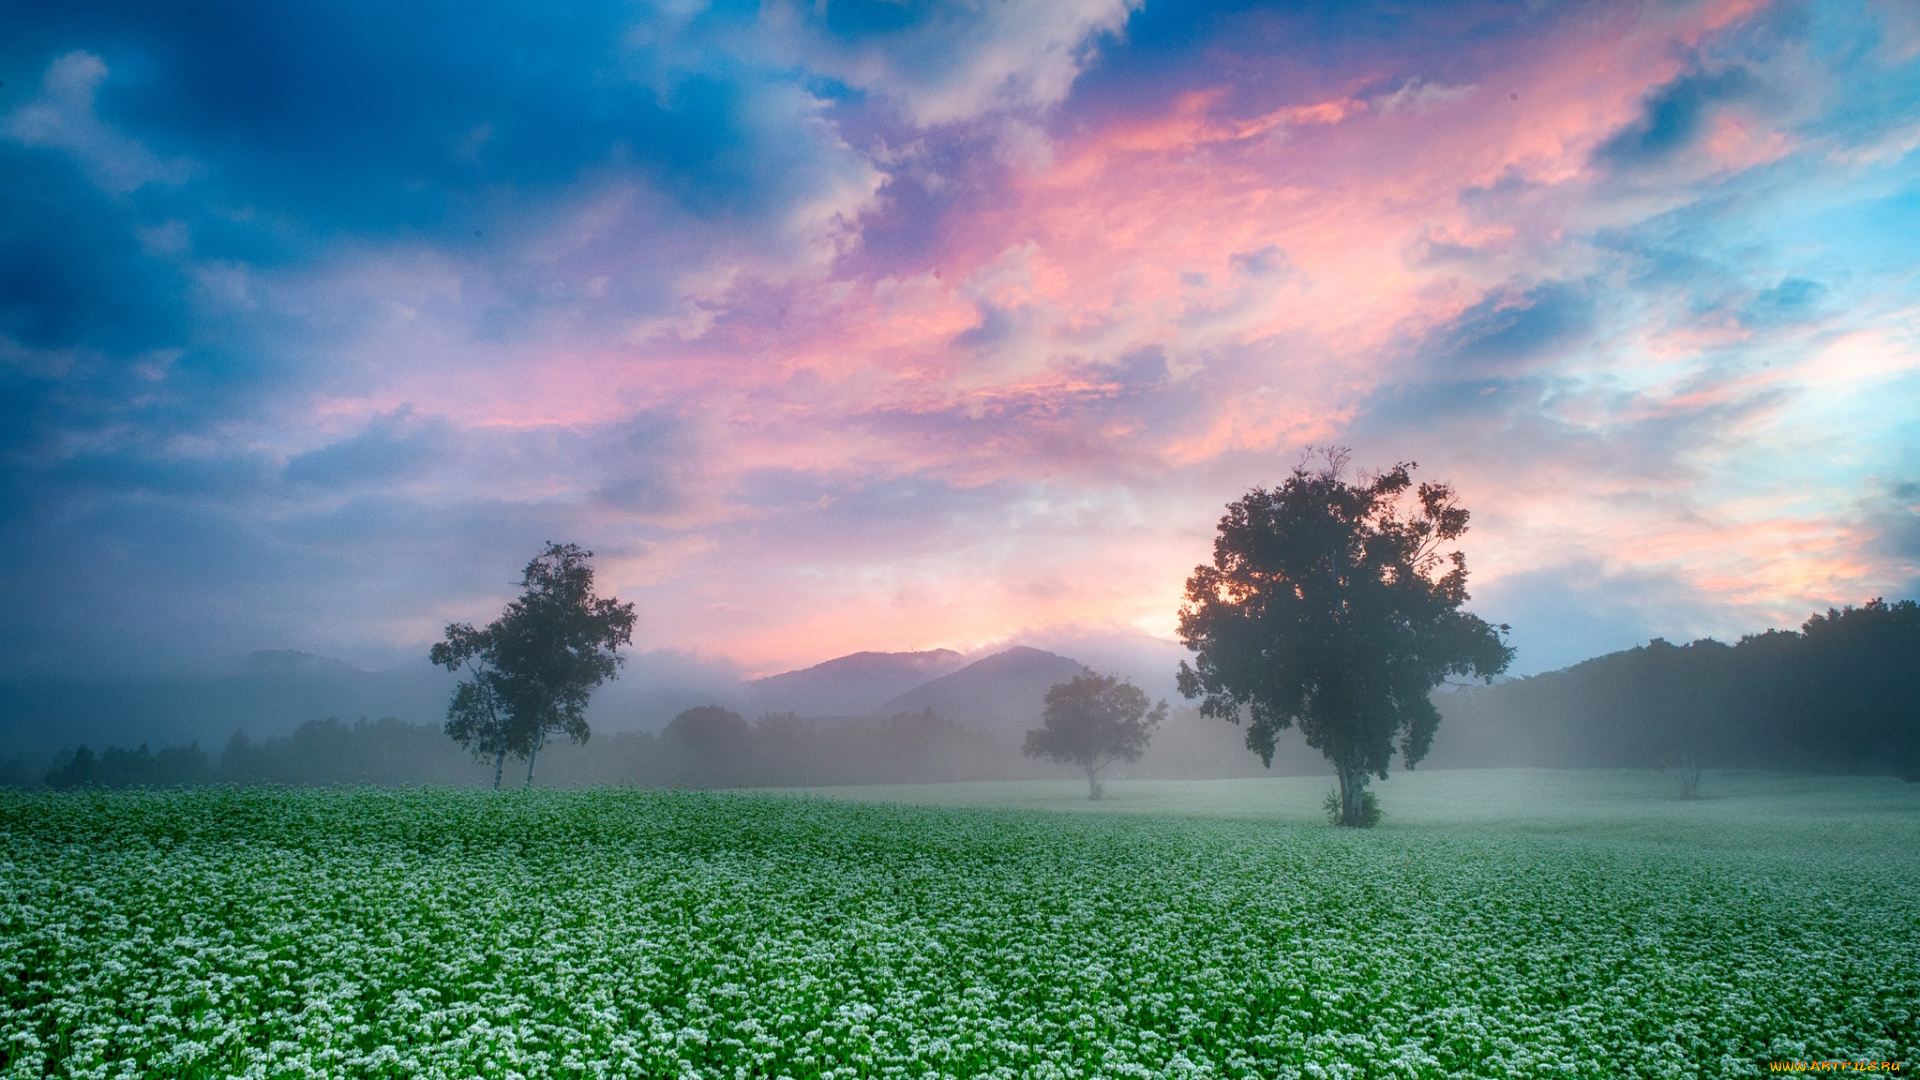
1146	661
267	663
855	685
1007	689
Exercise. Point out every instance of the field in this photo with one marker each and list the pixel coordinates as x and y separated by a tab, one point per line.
1500	924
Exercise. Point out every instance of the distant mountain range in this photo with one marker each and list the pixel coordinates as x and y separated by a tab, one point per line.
855	685
270	693
1007	689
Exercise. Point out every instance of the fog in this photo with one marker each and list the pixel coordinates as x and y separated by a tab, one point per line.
1829	697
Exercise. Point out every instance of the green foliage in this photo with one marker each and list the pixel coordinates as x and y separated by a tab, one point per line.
1856	696
717	740
326	751
709	729
1332	605
1092	721
330	751
1838	695
1370	812
531	672
114	767
378	934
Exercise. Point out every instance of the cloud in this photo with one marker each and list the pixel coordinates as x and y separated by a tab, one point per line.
955	61
1890	523
73	273
1617	608
389	450
1674	117
1793	300
875	325
1417	97
1515	331
1266	261
63	117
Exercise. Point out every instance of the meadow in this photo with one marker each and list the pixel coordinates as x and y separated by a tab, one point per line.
1522	924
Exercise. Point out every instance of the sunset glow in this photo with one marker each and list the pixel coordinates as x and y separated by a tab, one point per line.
901	326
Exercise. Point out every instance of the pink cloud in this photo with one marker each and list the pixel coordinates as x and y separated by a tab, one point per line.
1284	264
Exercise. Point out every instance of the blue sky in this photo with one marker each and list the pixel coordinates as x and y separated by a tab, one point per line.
877	325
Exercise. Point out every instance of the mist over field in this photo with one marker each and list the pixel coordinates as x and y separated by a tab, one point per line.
1836	700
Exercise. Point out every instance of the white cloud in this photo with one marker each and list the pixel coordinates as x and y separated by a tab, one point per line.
1421	97
62	117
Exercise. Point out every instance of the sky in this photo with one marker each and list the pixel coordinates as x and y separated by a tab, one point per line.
900	324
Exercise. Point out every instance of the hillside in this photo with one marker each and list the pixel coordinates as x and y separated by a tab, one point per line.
855	685
1005	690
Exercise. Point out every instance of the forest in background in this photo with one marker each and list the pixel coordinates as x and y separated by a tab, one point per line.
1838	695
776	750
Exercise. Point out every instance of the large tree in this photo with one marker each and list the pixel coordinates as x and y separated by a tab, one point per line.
1093	721
532	671
1333	605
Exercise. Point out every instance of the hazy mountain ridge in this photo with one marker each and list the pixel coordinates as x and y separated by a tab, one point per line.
1832	697
858	684
1007	689
269	693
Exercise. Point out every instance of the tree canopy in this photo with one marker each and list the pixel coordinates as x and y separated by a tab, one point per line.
1335	606
531	672
1092	721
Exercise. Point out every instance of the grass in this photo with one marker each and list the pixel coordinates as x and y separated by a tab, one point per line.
1499	925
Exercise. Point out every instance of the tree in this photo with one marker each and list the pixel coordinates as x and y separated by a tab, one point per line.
113	767
717	741
1094	721
1672	700
532	671
474	717
1854	697
1330	605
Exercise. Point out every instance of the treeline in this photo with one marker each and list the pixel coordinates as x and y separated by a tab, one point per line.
704	747
1841	694
320	752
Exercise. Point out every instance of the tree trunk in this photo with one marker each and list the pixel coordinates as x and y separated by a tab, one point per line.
1094	790
1686	766
499	766
1353	788
539	736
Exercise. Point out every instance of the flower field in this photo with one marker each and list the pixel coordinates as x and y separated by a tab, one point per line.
364	933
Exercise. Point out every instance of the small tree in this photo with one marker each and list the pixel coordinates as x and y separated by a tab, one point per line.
1684	764
1330	605
533	670
1094	721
